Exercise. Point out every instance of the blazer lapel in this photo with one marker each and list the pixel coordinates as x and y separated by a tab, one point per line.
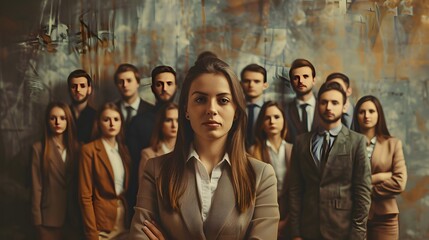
339	147
315	165
102	155
57	163
295	117
190	206
223	205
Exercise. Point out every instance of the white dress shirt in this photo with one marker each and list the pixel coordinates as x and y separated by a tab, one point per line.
310	110
206	183
278	160
117	166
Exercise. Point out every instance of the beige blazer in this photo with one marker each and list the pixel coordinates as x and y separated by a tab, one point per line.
260	221
98	199
147	154
387	157
50	196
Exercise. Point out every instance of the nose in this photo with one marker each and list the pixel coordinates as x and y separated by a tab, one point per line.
174	124
163	87
56	121
212	108
328	106
110	122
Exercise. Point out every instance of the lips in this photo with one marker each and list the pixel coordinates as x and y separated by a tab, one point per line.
211	123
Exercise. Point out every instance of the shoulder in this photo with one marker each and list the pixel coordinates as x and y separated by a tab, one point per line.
262	169
155	164
145	106
391	142
91	146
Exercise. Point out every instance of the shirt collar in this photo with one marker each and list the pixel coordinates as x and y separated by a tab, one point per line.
311	102
194	154
373	140
258	103
134	105
108	147
272	147
333	132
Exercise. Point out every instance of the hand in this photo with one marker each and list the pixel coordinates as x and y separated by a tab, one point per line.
152	230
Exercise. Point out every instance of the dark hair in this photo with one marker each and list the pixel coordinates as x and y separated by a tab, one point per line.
70	138
157	134
298	63
162	69
327	86
171	183
341	76
254	68
125	67
381	126
205	54
79	73
260	148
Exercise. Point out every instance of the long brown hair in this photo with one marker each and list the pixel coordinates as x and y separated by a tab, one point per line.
120	138
157	134
171	184
69	136
260	148
381	126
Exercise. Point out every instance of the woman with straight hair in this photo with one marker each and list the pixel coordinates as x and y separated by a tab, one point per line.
164	134
54	182
271	147
103	180
389	172
208	187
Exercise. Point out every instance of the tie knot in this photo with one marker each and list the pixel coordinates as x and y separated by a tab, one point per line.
304	106
251	106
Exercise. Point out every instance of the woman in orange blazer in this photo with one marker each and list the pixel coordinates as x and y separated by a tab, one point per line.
54	187
103	178
389	173
164	134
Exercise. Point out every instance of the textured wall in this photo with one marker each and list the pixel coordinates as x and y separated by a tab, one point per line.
382	45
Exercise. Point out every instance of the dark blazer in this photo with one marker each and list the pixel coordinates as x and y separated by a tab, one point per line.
85	123
143	108
98	199
294	126
223	222
332	204
387	157
54	199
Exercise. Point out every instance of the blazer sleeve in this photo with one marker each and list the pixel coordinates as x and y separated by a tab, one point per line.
266	216
395	184
295	192
143	160
146	206
361	195
86	193
37	187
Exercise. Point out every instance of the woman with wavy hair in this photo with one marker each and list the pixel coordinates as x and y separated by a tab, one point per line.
103	179
208	187
389	172
54	186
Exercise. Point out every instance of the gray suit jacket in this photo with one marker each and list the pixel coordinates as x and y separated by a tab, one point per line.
224	221
332	204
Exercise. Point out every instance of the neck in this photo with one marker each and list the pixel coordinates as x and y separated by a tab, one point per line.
369	133
59	139
254	100
170	142
305	97
210	152
131	99
78	108
275	140
110	140
329	126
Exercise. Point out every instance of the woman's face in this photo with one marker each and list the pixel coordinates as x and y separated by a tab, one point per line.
273	121
210	107
169	127
367	115
57	121
110	123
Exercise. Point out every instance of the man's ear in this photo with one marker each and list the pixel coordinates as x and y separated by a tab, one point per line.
349	91
89	90
266	85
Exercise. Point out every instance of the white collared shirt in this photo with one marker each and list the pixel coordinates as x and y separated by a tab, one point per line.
278	160
64	155
310	110
206	184
117	166
370	147
134	106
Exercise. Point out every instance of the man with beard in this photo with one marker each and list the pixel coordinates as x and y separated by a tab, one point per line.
80	88
139	132
300	113
330	176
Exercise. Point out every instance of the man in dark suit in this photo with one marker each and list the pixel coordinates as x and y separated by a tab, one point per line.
127	79
80	88
253	82
344	81
330	176
140	129
301	113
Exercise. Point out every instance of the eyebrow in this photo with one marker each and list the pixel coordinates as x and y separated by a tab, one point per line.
205	94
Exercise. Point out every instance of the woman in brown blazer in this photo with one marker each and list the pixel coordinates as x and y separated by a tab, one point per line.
103	179
54	186
208	187
164	134
271	147
389	173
